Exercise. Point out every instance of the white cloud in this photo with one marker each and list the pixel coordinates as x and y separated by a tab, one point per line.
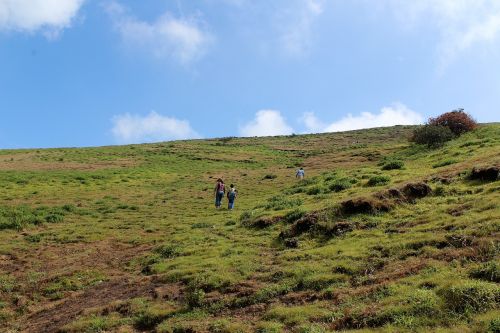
266	123
129	128
183	39
312	123
396	114
461	24
296	25
48	16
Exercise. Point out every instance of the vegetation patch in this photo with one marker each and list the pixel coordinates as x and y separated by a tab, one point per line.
393	165
489	271
20	217
378	180
432	136
471	297
281	202
57	288
444	163
340	184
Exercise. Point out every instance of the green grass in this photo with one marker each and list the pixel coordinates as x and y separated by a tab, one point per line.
134	229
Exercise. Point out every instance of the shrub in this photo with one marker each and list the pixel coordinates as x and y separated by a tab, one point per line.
294	215
423	303
340	185
457	121
393	165
432	136
168	251
489	271
378	180
470	297
270	176
314	190
195	298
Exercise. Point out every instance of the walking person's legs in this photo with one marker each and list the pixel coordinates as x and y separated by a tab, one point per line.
218	199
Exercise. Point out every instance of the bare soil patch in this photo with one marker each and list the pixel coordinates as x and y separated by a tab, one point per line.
53	318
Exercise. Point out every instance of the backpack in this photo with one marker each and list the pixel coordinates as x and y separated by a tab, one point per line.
231	195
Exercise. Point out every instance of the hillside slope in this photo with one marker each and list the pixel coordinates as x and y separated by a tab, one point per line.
382	235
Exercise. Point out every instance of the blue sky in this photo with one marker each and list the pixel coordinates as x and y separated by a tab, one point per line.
100	72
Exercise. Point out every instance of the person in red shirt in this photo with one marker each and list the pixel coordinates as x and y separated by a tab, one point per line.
219	192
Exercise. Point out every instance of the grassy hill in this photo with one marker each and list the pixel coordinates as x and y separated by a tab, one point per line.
382	235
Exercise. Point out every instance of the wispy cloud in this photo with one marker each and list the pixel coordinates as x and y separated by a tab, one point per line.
295	24
396	114
48	16
131	128
184	39
461	24
266	123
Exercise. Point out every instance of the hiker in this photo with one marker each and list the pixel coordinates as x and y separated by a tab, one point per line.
231	196
219	192
300	174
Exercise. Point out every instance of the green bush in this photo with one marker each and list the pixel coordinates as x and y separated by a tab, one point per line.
432	136
168	251
20	217
423	303
470	297
393	165
489	271
378	180
340	185
195	298
294	215
314	190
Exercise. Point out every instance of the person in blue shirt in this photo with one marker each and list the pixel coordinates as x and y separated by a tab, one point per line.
300	174
231	196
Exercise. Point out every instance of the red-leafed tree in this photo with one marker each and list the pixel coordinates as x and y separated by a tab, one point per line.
457	121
